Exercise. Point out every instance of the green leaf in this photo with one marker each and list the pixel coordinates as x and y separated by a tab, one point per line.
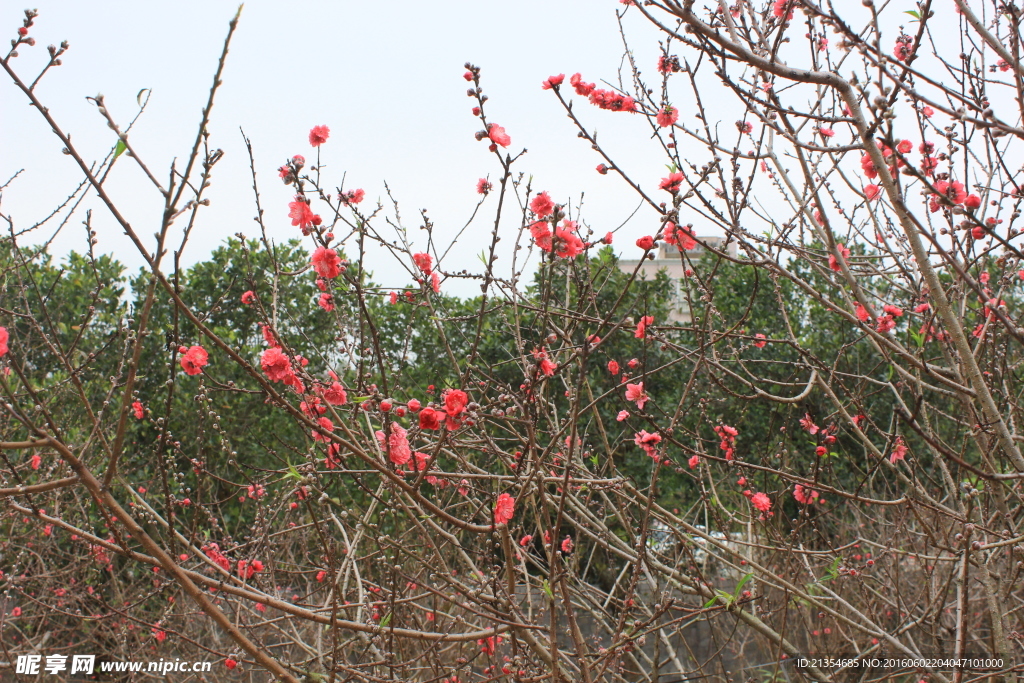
120	148
914	13
547	589
739	586
832	572
918	338
711	602
138	98
386	620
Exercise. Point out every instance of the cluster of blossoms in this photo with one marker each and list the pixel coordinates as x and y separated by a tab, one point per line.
783	9
668	64
728	436
681	235
193	359
886	322
563	241
648	442
804	495
544	362
605	99
642	325
956	194
904	48
672	183
4	338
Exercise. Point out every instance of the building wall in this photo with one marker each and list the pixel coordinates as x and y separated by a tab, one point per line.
668	259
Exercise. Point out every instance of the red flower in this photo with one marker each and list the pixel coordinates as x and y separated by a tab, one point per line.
498	135
319	135
413	405
542	205
646	242
635	392
667	116
681	235
455	402
973	201
804	495
429	419
872	191
669	64
325	425
567	243
335	394
487	644
326	262
826	132
326	302
602	169
612	101
761	340
552	81
783	8
351	197
761	502
194	359
862	313
37	460
541	235
276	364
899	451
567	545
641	327
903	48
582	89
248	297
671	183
4	337
397	445
230	663
301	215
613	367
504	508
833	262
423	262
139	411
807	423
483	186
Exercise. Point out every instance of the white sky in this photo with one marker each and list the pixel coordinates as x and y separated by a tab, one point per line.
385	77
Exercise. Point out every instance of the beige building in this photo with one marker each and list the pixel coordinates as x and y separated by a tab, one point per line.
668	259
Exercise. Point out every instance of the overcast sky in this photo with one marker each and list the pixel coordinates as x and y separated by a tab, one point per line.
385	77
